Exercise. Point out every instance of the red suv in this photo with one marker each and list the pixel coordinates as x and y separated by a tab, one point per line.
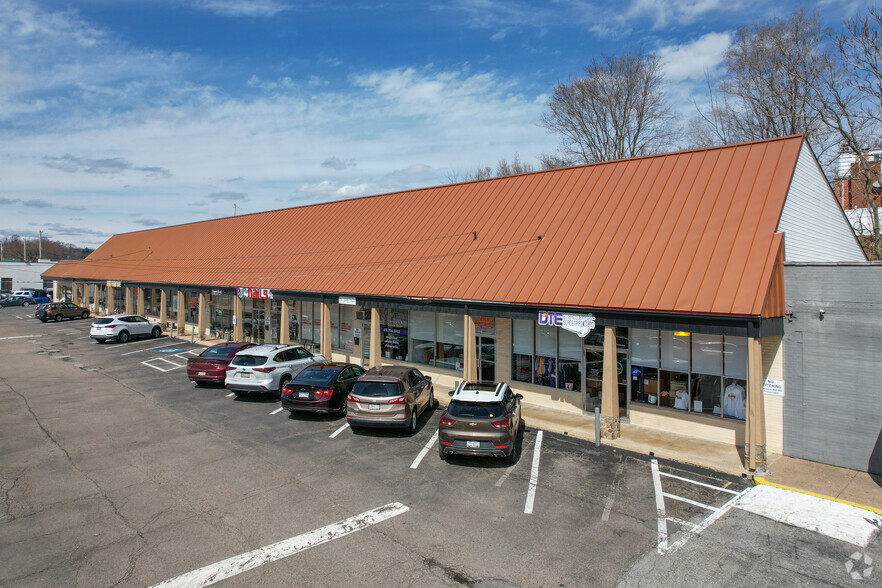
210	366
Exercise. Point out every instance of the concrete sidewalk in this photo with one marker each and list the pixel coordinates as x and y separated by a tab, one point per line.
844	485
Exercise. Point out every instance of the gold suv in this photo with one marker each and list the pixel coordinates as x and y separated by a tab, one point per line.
389	396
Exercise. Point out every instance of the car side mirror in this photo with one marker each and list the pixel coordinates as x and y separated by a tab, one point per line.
519	396
429	378
450	393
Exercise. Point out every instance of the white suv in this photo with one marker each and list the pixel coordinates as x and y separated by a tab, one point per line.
122	327
267	368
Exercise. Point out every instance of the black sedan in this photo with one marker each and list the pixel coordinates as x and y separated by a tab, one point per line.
321	388
18	301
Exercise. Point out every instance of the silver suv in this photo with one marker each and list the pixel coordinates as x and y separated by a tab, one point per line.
267	368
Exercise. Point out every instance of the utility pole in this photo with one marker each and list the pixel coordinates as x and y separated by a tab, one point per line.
41	247
24	246
234	209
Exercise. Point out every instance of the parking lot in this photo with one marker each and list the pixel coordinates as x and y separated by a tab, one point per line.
116	470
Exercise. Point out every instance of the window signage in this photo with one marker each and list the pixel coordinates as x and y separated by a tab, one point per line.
580	324
347	300
256	293
217	292
484	322
114	284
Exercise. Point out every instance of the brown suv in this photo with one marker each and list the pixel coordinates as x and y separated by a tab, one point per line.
389	396
56	311
483	418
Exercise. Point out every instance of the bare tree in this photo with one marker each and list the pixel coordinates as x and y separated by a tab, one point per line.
617	110
767	89
849	102
516	166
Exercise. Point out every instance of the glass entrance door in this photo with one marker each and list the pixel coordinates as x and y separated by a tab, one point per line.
592	382
257	330
486	351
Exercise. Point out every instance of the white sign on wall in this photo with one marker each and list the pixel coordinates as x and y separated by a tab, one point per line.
347	300
773	387
580	324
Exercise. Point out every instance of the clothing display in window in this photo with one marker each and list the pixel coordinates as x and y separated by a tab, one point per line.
733	401
681	400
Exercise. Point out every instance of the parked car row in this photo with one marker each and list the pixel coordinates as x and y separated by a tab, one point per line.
482	419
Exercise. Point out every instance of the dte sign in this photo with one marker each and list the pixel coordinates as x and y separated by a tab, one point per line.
580	324
552	319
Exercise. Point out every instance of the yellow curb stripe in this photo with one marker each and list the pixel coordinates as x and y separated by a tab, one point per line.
759	480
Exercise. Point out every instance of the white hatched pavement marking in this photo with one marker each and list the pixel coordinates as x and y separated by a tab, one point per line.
174	365
660	510
697	483
534	475
338	431
140	350
424	451
688	501
235	565
278	410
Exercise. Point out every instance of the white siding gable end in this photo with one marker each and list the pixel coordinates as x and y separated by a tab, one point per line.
814	226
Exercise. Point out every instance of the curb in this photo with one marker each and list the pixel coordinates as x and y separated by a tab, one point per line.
760	480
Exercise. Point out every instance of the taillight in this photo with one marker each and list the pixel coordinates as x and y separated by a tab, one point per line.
265	370
447	421
352	398
287	390
230	368
503	424
399	400
323	392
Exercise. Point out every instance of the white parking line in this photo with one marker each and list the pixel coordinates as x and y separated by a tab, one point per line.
278	410
338	431
697	483
242	563
534	475
161	368
231	394
660	510
424	451
688	501
19	337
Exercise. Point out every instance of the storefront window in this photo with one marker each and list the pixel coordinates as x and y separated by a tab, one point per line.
521	350
393	326
451	336
306	317
222	316
422	337
569	351
335	325
699	373
347	319
545	363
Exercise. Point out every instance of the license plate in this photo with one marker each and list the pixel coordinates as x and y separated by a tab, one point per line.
201	373
303	394
473	444
374	406
244	375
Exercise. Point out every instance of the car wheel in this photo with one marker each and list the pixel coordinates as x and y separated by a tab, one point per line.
156	332
513	456
58	318
85	315
441	453
343	404
412	425
123	337
25	303
240	394
432	403
282	383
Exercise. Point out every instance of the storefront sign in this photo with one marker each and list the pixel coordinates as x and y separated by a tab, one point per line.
356	332
580	324
484	322
114	284
392	331
773	387
348	301
217	292
257	293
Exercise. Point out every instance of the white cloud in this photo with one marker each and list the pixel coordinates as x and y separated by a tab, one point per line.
690	61
338	164
229	196
247	8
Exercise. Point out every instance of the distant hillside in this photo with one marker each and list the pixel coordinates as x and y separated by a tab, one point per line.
13	248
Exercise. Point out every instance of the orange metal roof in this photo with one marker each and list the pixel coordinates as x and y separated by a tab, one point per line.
692	231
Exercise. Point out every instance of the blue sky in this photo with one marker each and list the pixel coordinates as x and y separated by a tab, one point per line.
119	115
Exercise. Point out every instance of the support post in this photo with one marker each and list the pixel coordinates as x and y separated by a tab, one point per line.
756	421
203	308
325	336
163	308
285	326
109	304
139	300
237	319
56	294
470	351
130	306
609	419
182	313
376	351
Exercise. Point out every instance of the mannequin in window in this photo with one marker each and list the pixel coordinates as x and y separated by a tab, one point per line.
733	401
681	400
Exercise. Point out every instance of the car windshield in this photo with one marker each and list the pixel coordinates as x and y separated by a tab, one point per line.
219	351
316	376
475	410
248	360
102	321
376	389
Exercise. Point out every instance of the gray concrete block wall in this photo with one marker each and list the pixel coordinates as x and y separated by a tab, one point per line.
833	364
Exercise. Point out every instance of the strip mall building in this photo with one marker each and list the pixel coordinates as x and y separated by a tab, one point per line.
674	262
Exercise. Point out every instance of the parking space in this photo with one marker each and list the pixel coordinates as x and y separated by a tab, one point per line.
175	479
